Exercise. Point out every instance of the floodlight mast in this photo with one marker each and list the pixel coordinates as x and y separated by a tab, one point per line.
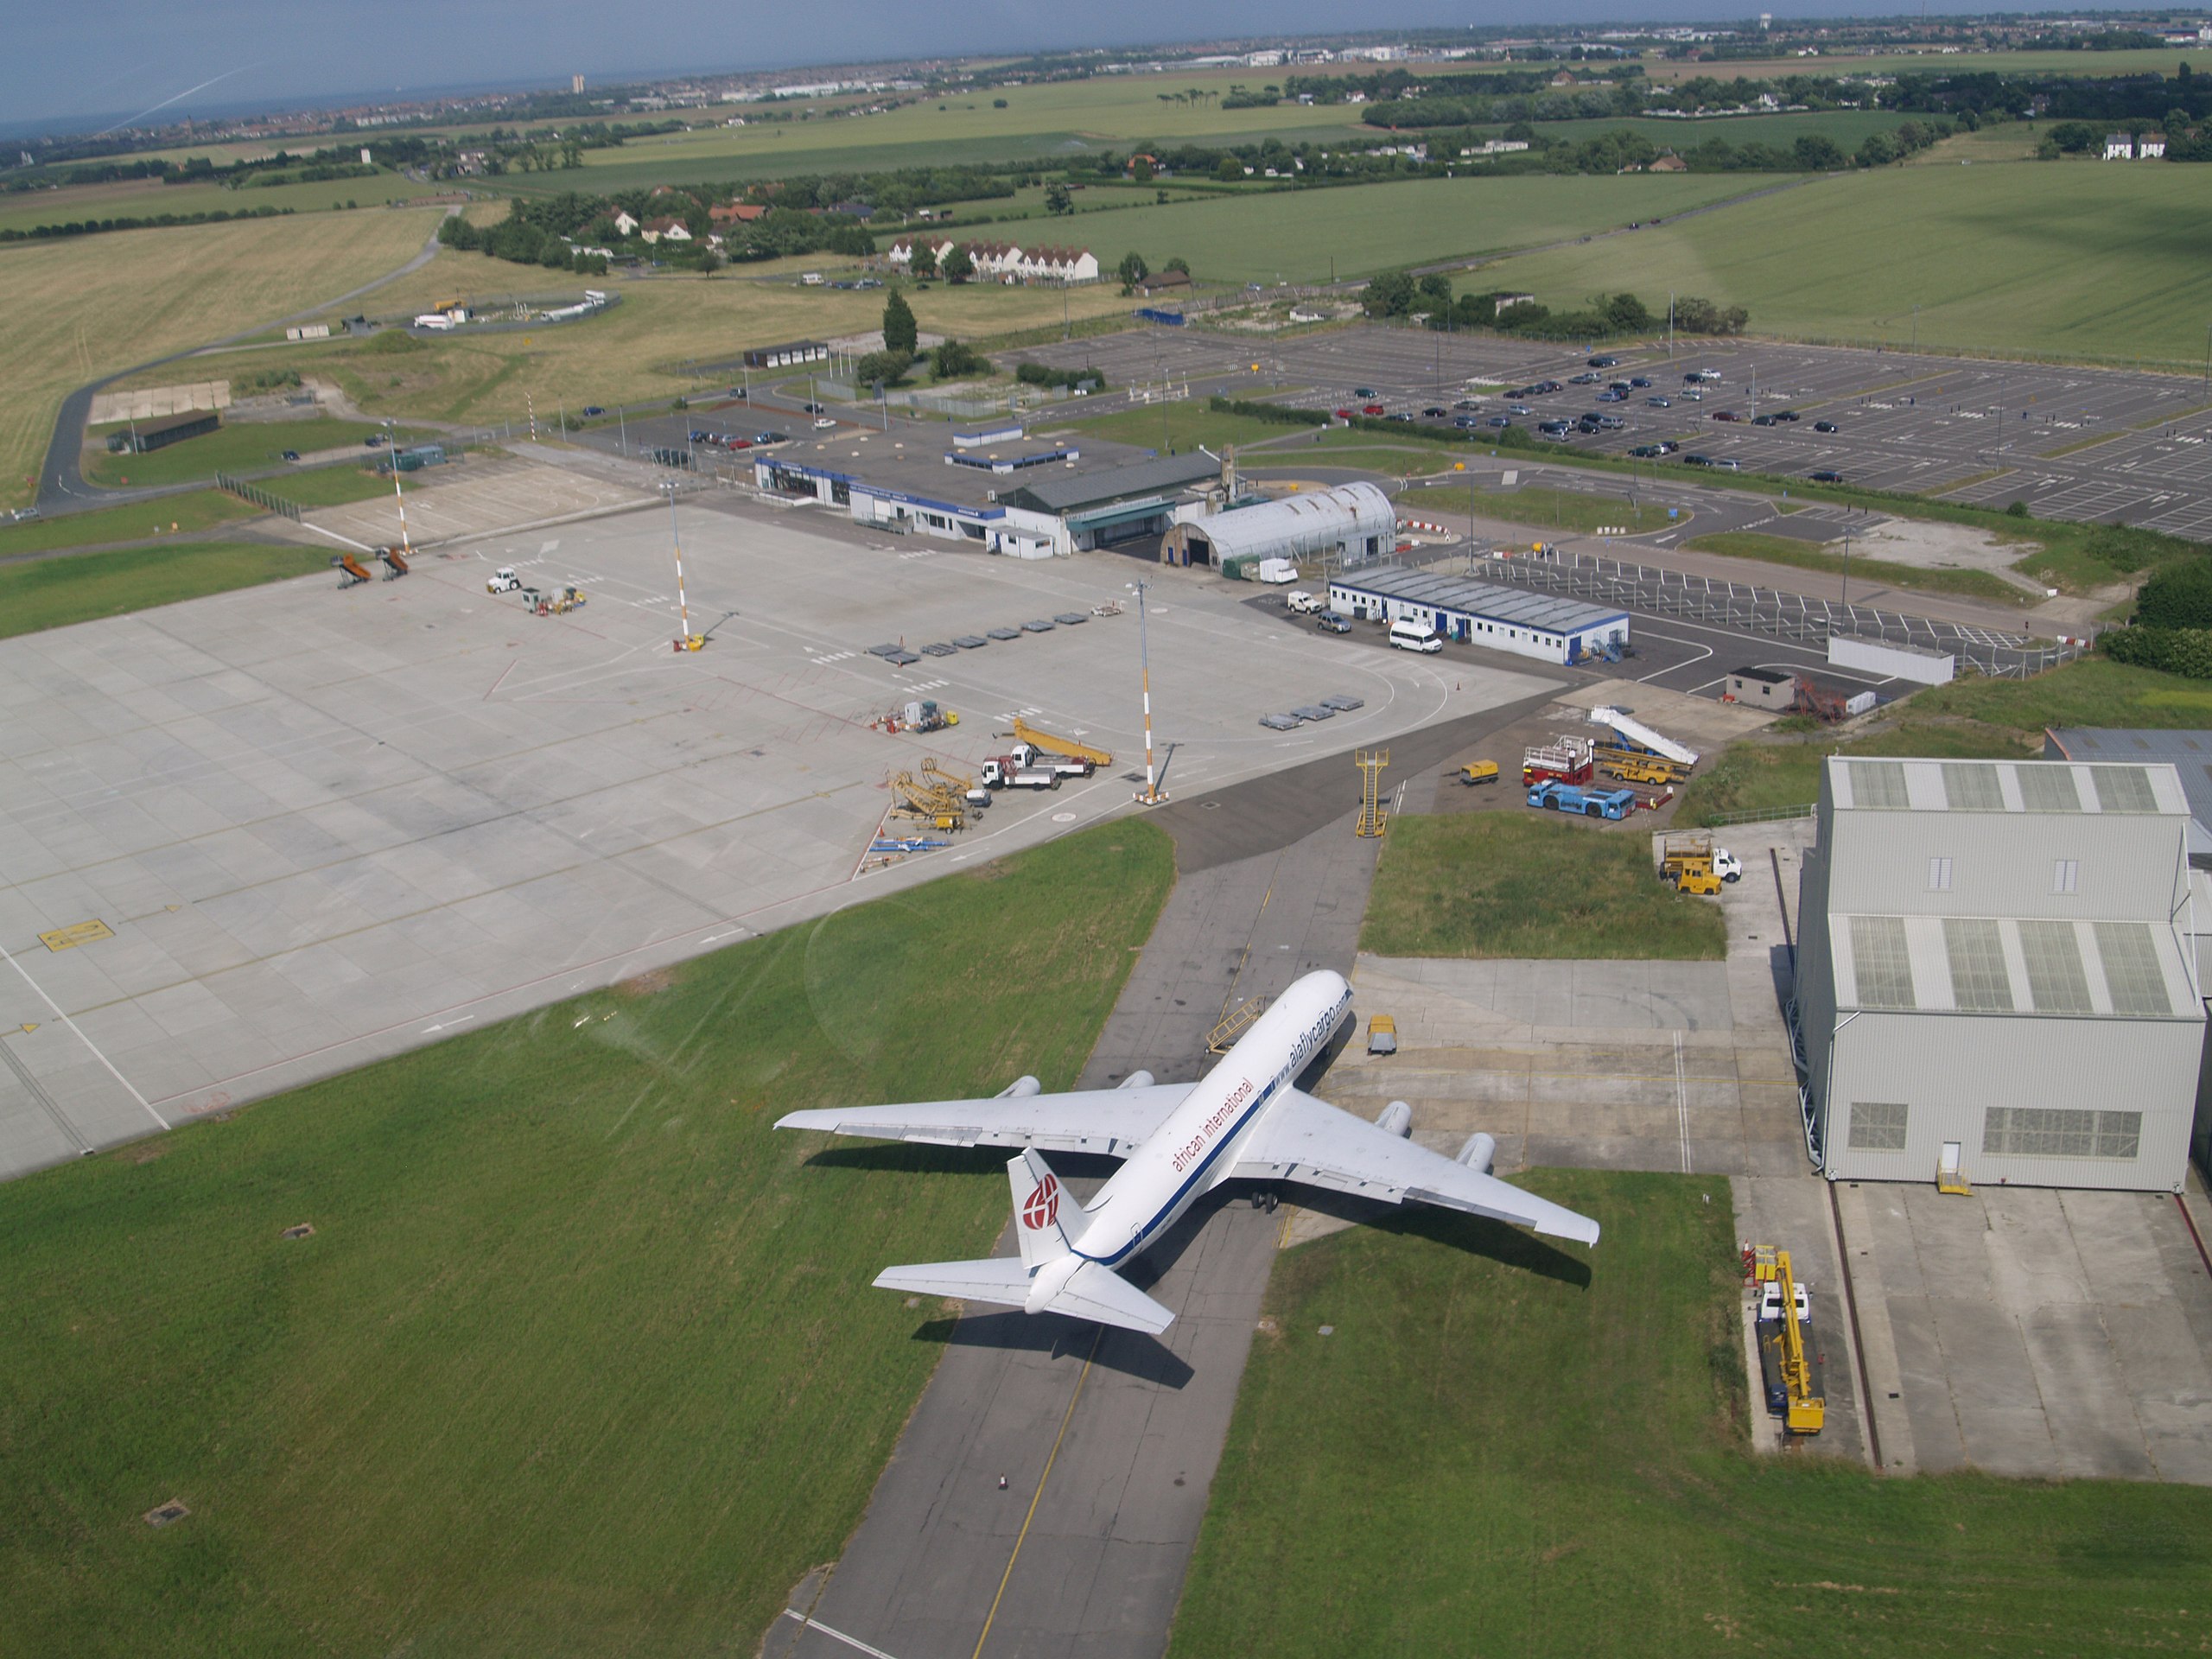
391	452
676	537
1153	795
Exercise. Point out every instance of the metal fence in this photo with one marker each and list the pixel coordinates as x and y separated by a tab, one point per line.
260	497
1755	815
1749	608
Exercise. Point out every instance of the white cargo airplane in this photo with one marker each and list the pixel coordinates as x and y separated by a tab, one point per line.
1243	1120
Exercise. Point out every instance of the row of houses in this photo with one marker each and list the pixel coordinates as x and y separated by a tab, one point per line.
2134	146
1005	262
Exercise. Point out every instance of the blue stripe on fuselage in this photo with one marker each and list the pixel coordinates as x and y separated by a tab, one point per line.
1299	1054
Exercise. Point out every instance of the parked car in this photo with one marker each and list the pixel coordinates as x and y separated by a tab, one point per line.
1519	409
1825	477
1727	464
1825	426
1400	416
375	440
1609	396
591	411
1370	409
1468	403
1556	428
1639	380
772	437
1660	403
1725	415
1693	397
824	423
1333	622
1584	379
291	455
1697	460
1464	421
1785	414
1603	362
1645	452
1363	391
1435	412
1342	414
1498	420
1757	420
1547	387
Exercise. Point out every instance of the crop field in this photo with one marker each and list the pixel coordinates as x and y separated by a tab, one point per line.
72	310
581	1358
1977	248
53	592
639	349
230	448
1525	884
136	199
1540	1451
1306	236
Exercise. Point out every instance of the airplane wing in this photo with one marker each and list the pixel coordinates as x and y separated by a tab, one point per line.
1302	1139
1111	1122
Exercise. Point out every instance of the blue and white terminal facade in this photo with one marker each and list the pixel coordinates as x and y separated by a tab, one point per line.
1542	625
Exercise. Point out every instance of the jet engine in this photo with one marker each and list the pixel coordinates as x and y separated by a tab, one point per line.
1396	1118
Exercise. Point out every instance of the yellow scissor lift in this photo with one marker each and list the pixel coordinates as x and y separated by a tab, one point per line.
1803	1409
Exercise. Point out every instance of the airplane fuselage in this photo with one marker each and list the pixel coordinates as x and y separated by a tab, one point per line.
1195	1148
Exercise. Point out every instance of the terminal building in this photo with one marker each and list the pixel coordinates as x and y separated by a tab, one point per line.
1995	981
1002	491
1515	620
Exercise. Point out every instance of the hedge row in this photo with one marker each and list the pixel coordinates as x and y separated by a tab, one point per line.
1277	413
2177	651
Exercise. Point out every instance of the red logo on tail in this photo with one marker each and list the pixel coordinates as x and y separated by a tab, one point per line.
1042	1207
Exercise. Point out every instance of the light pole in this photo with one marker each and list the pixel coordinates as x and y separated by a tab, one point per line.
676	539
391	448
1847	564
1153	795
622	420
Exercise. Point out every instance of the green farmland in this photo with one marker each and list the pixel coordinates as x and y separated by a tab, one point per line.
1505	1447
1979	250
581	1358
1301	236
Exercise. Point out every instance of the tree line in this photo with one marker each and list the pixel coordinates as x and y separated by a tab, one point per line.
1399	295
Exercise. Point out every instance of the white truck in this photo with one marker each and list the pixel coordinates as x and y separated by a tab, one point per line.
1006	772
1027	756
1278	570
1301	603
504	581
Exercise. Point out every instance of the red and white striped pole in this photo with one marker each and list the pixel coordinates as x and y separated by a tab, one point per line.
1153	795
683	609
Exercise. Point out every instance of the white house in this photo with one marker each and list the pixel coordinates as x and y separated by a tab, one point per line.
623	225
2150	146
2119	147
672	230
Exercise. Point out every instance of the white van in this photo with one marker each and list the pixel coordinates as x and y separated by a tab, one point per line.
1409	635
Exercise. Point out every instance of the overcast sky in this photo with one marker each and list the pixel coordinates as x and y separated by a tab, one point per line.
125	58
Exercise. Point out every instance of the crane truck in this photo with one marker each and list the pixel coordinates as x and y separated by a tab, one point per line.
1045	743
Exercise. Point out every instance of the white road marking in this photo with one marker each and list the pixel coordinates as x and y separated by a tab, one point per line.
81	1038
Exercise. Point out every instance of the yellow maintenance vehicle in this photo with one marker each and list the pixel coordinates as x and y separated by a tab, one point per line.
1787	1356
1478	771
1631	766
913	798
1046	745
1686	864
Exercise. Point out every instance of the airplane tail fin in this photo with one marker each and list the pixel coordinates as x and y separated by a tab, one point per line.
1038	1197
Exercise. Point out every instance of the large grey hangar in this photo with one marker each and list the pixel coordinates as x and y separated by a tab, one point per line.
1995	982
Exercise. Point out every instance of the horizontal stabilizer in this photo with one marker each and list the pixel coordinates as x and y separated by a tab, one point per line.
1090	1292
1101	1294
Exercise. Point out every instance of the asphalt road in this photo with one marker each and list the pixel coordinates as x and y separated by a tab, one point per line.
1108	1440
2074	443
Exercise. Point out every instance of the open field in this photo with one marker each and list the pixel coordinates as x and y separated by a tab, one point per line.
2162	61
1813	556
200	509
1565	510
232	448
1521	885
1967	719
1180	425
72	310
581	1358
1446	1511
1305	236
1848	128
640	349
40	593
328	486
1831	261
136	199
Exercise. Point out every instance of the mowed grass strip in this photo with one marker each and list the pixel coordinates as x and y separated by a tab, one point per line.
54	591
1966	719
582	1359
72	311
1512	1448
170	515
1521	883
241	446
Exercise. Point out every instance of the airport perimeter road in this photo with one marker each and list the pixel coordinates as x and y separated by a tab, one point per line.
1109	1440
2074	443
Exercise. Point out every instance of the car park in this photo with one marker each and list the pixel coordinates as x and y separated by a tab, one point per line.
1333	622
1660	403
1824	426
1825	477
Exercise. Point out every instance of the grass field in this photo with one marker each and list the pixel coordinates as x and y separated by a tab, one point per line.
1964	720
53	592
1848	258
637	350
1565	510
2161	61
1303	236
327	486
1848	128
1810	556
1183	426
1517	883
71	311
581	1358
245	447
136	199
1509	1448
200	509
